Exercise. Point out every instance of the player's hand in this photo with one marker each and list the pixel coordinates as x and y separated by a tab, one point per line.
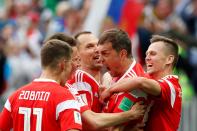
104	94
138	110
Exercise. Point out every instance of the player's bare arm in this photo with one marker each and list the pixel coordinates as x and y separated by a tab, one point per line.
104	120
149	86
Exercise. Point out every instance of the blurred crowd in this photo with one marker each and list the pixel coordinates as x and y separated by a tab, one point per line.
25	24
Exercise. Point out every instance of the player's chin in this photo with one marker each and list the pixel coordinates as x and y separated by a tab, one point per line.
149	71
99	66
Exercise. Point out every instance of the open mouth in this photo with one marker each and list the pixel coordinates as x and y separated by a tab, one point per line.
98	59
149	65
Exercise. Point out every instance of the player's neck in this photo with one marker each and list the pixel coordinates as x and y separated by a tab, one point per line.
48	75
125	65
161	74
93	72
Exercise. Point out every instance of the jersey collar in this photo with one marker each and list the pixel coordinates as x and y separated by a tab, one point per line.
131	67
44	80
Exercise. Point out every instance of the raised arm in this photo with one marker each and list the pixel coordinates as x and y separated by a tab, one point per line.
149	86
97	121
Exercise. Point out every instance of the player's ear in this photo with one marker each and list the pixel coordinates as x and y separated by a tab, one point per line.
123	53
170	59
62	64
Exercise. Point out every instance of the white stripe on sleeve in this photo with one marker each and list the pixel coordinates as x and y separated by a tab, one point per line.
69	104
172	92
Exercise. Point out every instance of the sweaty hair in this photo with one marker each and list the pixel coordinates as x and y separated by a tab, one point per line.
53	51
63	37
171	46
119	40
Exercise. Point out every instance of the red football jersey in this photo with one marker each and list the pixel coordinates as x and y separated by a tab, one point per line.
120	102
41	105
88	88
83	106
166	111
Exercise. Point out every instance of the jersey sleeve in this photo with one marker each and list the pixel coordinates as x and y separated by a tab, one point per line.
68	113
70	119
168	92
5	117
83	106
85	91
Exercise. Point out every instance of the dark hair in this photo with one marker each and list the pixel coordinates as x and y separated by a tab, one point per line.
171	45
63	37
119	40
53	51
81	33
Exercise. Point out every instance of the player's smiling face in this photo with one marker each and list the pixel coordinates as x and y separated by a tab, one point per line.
156	58
88	51
111	58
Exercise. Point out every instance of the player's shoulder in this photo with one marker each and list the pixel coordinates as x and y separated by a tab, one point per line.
171	81
61	90
79	72
71	88
62	94
48	86
71	81
170	78
81	76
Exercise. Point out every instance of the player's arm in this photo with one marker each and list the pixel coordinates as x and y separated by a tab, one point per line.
149	86
97	121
